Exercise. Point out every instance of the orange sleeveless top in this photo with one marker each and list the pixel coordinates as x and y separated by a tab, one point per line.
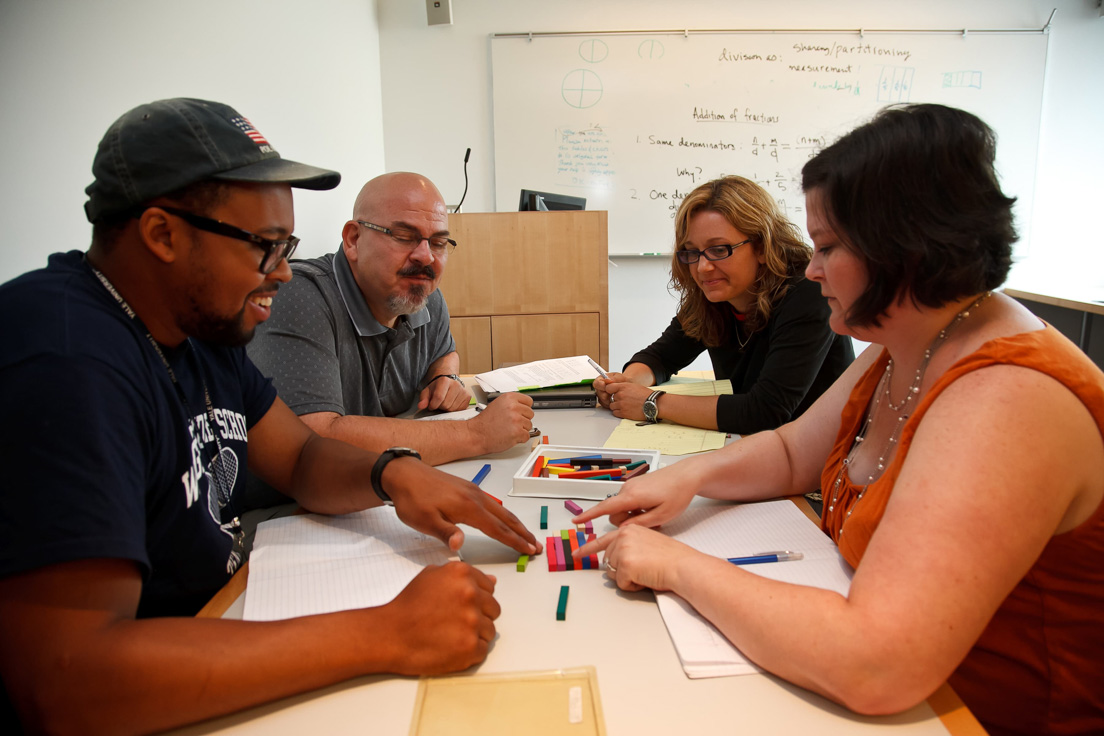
1038	667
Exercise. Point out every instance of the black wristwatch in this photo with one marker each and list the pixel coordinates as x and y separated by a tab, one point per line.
377	470
651	409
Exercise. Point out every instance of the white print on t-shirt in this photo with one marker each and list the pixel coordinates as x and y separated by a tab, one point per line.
232	426
229	461
200	478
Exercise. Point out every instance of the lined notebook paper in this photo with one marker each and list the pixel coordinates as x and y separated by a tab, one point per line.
736	531
667	439
308	564
696	387
674	439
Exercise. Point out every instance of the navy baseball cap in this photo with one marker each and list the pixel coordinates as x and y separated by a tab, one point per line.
158	148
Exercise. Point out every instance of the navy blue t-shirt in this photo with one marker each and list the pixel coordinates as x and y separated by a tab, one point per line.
101	458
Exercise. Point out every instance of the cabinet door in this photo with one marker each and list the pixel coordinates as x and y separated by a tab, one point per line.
473	343
526	337
527	263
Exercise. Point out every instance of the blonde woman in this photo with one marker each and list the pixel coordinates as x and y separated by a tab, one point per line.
739	269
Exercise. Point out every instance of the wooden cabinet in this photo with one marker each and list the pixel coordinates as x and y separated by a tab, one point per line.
525	286
473	343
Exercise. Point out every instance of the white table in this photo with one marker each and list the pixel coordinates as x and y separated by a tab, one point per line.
642	686
1089	303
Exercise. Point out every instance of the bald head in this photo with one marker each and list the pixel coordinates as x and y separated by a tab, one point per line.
387	243
391	195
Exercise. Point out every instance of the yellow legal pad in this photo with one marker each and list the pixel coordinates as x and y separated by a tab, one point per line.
534	703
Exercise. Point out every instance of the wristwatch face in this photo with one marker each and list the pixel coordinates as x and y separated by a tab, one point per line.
651	408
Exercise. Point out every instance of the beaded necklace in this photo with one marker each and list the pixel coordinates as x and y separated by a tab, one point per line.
900	409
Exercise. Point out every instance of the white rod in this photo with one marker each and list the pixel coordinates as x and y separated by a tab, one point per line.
729	31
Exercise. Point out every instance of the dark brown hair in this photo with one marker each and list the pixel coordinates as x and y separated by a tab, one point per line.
914	193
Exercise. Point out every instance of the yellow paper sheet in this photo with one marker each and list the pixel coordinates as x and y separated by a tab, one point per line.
696	387
668	439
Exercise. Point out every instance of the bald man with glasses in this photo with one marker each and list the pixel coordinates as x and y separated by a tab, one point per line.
362	335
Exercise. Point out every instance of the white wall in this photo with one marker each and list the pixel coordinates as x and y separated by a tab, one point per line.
306	74
447	69
364	86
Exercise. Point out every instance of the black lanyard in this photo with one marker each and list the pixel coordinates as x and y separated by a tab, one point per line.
224	485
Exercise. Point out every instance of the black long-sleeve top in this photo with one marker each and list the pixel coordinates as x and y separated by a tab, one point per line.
779	373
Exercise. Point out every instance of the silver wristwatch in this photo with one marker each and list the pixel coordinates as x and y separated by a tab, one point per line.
651	409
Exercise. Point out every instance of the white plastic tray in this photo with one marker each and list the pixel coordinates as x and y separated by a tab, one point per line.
594	490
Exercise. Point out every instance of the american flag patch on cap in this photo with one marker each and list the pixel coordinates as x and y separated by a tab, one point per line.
247	127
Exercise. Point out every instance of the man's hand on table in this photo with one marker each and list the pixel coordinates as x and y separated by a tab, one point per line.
504	423
434	502
443	621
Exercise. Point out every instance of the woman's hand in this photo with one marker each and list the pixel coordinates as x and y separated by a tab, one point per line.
635	374
638	558
627	400
648	500
601	384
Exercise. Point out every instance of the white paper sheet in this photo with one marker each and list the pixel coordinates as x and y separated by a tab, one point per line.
451	416
308	564
736	531
539	374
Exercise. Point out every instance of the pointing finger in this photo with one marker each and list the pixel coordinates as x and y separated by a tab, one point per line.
596	546
615	504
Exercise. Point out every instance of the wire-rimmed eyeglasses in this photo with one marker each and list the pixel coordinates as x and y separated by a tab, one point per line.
439	245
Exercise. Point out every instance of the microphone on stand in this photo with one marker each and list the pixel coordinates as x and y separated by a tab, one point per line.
465	194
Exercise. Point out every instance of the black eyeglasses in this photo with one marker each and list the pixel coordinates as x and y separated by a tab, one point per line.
712	253
274	250
439	245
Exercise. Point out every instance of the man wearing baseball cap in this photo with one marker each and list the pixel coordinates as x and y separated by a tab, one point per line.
132	413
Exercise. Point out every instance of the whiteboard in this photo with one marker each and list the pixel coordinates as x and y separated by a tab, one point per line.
635	122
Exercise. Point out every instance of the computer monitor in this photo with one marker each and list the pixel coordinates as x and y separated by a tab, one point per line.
534	201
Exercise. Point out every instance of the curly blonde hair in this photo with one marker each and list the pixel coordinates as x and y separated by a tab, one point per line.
751	210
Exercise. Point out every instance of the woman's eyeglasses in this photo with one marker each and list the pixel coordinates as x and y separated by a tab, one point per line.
712	253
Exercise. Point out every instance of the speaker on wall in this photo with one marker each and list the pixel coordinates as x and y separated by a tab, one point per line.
439	12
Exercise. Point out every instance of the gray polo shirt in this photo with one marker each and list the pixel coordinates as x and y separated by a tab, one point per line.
325	351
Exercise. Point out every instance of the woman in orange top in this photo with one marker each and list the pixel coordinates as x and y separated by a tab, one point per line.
961	459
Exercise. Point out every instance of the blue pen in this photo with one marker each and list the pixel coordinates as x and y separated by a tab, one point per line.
783	556
481	474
